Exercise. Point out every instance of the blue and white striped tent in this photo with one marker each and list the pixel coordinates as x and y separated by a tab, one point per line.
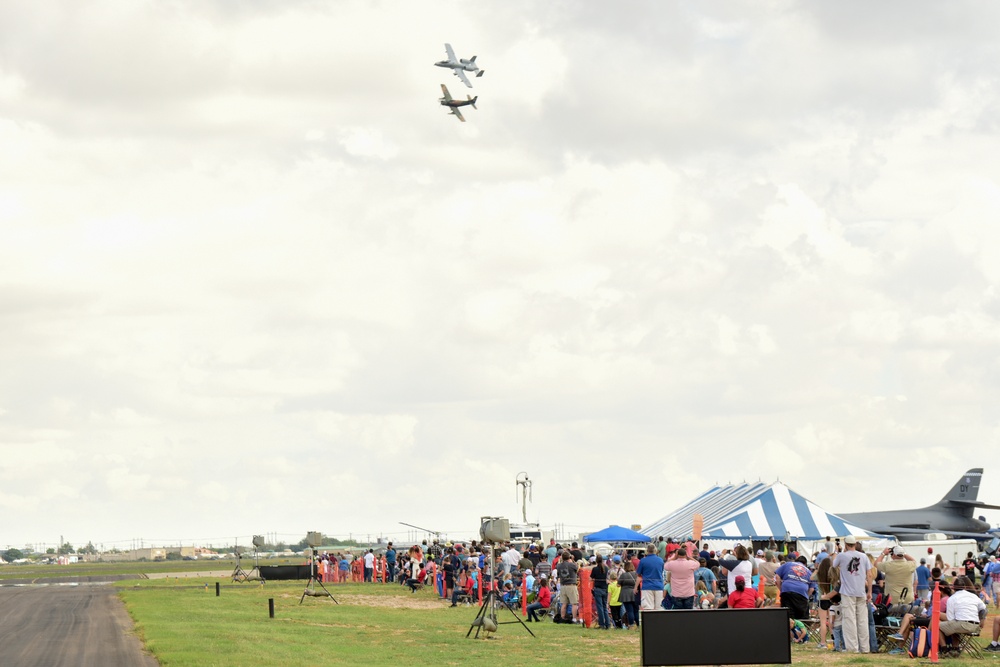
756	511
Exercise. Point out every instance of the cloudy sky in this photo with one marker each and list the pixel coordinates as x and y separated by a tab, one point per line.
253	278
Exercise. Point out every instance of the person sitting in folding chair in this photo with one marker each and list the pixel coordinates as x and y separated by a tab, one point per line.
966	613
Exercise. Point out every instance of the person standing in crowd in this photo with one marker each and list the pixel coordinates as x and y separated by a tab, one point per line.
599	575
567	571
551	552
923	574
739	563
390	563
614	599
991	580
766	570
627	580
369	565
899	571
681	568
661	548
855	593
831	548
706	576
793	579
651	570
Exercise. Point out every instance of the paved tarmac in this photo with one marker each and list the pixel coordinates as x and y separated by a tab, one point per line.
67	626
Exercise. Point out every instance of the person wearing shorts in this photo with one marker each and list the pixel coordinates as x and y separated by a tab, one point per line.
567	572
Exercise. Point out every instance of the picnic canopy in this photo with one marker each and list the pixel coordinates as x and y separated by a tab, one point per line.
617	534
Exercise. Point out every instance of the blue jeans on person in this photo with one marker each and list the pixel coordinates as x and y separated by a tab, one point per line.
631	612
601	602
368	573
532	608
872	641
684	603
391	566
838	638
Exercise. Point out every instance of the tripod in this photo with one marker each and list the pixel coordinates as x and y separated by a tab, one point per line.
486	618
310	590
239	574
256	568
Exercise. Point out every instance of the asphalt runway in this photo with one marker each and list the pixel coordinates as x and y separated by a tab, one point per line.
67	626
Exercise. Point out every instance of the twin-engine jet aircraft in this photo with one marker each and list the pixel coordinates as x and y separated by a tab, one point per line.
448	101
460	66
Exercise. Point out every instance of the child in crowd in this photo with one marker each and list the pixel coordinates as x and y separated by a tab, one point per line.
797	631
614	599
836	621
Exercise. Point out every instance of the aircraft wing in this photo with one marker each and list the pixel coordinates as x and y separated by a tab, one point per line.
447	95
461	75
451	53
458	113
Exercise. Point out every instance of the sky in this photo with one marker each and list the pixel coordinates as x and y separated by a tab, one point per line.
255	279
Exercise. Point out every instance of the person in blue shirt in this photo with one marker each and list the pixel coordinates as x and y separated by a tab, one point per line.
390	562
651	570
923	580
794	580
706	576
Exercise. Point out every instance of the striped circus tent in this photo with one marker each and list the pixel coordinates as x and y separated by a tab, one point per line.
756	511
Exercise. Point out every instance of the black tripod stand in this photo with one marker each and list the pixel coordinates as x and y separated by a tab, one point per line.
239	574
486	618
310	590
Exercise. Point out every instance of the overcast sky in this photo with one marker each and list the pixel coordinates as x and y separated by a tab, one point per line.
254	278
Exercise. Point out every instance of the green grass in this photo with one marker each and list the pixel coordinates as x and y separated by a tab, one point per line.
183	623
134	567
186	625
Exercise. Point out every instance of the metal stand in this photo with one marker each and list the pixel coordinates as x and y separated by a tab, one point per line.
239	574
310	590
254	574
486	618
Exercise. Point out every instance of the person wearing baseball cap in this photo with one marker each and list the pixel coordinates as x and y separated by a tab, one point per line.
899	569
855	594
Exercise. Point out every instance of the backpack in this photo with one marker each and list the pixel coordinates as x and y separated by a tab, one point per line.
920	643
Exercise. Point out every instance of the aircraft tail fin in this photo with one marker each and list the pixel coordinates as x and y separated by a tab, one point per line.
472	60
966	490
472	101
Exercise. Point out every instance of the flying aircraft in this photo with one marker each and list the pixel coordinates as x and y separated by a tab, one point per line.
460	66
447	101
952	515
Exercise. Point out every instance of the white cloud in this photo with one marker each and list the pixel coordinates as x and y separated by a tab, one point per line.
246	252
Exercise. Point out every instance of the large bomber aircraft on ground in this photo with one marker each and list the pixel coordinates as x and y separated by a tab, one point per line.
459	66
952	515
448	101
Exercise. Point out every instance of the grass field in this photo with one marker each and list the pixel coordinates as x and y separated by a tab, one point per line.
136	567
183	623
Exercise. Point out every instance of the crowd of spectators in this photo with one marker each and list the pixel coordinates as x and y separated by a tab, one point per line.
840	582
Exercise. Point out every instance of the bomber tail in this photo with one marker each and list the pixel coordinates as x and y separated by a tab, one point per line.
965	492
472	101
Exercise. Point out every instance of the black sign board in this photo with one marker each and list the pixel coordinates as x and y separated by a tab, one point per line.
715	637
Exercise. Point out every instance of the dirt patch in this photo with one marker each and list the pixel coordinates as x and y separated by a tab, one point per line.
390	601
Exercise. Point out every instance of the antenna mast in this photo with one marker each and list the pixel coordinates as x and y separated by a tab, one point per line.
525	484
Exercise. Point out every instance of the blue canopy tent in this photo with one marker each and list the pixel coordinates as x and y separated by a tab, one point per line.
617	534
